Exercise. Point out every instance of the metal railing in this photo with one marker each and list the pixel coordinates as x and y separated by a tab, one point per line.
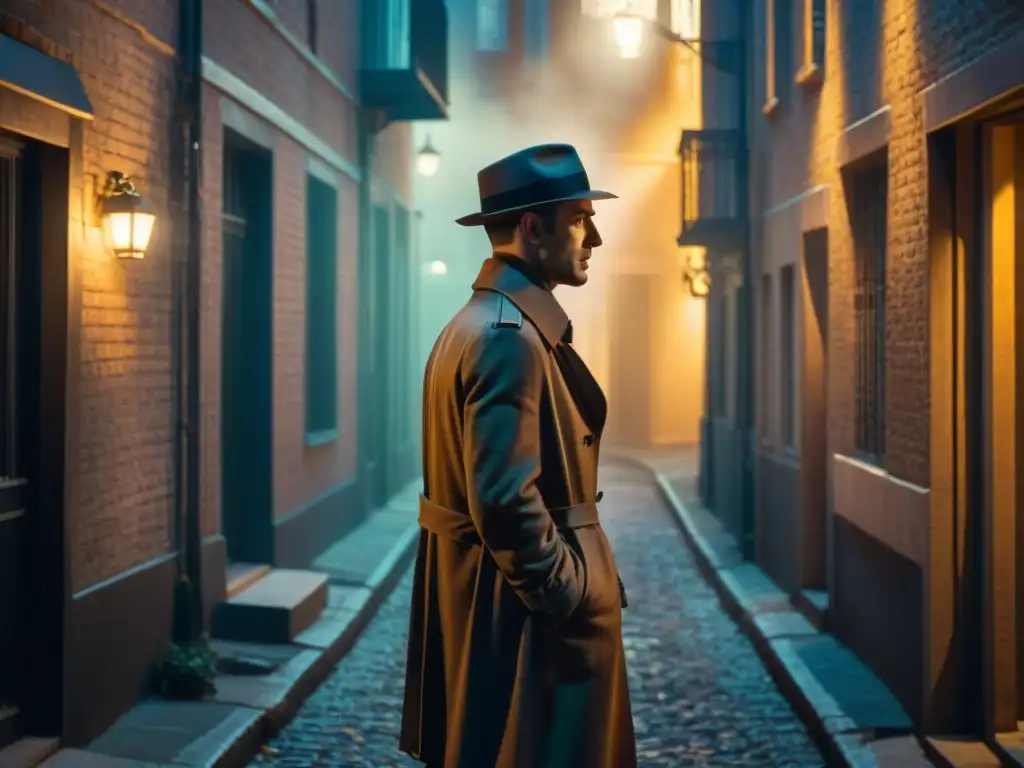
868	190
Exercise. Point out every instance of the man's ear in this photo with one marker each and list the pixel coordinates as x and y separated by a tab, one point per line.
529	228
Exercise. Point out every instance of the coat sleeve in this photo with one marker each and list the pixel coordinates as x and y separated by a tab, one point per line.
502	378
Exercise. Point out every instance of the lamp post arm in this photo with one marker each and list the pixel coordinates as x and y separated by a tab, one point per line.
696	45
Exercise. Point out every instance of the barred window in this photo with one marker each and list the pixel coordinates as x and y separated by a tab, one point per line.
867	190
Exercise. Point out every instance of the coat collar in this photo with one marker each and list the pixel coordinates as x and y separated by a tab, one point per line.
513	278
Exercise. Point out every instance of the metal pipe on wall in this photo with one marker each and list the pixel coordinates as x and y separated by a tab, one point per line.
188	599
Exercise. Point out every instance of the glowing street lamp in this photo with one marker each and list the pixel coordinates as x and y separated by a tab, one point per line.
629	34
126	218
428	159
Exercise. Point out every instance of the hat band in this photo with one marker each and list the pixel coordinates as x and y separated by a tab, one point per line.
535	193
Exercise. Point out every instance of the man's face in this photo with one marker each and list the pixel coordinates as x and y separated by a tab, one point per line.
564	251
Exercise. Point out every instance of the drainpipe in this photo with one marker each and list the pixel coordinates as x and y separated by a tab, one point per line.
188	598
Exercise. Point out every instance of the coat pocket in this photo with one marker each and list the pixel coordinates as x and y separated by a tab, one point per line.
602	597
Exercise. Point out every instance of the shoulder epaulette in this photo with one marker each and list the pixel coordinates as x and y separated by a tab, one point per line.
509	315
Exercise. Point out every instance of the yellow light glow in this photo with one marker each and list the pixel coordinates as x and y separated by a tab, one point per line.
128	233
629	35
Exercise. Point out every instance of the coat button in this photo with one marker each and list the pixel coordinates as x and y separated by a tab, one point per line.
588	440
600	495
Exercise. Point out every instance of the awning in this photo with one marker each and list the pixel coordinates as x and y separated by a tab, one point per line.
44	78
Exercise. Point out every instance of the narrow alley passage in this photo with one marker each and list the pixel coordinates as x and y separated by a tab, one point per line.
701	696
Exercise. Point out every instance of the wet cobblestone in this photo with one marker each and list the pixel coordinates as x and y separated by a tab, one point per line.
700	694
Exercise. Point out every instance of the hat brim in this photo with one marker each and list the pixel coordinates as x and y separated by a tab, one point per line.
479	219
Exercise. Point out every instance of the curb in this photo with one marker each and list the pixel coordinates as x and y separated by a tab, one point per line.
239	750
828	725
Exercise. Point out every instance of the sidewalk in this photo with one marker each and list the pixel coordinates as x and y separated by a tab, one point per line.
850	713
272	681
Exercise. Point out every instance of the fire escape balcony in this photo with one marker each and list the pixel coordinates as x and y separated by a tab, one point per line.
712	189
404	71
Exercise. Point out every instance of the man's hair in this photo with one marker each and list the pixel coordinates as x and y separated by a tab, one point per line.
501	230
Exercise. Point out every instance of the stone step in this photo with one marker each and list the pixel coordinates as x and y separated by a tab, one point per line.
28	752
241	576
274	609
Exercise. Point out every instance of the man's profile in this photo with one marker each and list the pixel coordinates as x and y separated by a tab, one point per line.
515	654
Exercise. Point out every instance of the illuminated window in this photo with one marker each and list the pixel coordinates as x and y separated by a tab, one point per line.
492	25
814	41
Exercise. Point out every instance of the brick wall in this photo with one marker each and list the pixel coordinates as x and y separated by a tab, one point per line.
254	49
877	53
122	51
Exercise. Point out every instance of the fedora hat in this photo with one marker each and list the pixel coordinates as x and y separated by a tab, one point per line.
546	173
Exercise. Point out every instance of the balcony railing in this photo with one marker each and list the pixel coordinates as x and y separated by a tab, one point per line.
405	58
712	188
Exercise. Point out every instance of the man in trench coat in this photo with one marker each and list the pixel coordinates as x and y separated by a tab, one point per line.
515	656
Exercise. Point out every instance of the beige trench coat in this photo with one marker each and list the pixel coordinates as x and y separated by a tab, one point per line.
515	654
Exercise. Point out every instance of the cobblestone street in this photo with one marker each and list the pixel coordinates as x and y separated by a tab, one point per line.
700	694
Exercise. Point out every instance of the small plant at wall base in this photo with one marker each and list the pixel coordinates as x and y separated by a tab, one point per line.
186	670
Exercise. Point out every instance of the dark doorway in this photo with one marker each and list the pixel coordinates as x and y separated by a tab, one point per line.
381	362
814	416
33	368
247	352
630	363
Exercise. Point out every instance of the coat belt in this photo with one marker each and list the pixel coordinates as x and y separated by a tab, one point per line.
459	525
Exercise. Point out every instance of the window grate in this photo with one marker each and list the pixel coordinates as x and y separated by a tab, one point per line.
868	189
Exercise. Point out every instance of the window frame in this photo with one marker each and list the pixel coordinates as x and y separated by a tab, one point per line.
815	19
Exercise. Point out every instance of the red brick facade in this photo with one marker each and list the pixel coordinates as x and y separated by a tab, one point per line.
119	511
866	538
123	53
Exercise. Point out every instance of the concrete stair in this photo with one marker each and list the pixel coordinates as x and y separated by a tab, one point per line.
272	608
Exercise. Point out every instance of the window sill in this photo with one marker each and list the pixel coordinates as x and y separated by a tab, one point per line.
770	106
321	437
809	76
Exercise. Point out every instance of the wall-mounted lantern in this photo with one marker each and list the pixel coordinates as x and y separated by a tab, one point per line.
629	34
428	159
695	275
127	220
